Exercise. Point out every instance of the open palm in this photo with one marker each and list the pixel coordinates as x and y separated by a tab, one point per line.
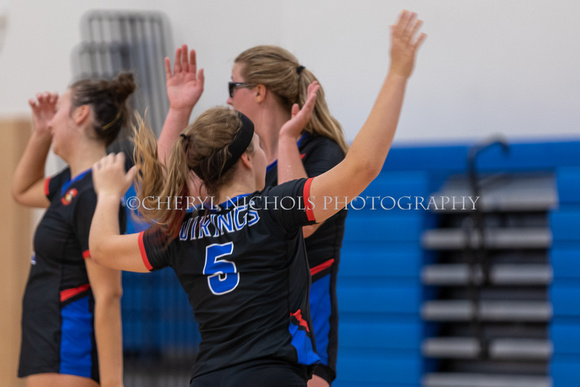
185	83
300	117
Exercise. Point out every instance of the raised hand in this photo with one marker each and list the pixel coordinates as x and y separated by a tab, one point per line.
185	83
405	41
43	107
109	177
300	117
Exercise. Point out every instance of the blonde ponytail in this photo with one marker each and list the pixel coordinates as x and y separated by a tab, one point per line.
282	74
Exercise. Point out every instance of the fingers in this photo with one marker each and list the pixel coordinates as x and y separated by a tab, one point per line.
408	22
43	101
184	62
53	98
311	95
414	29
420	40
112	160
131	173
177	63
403	22
201	77
295	110
407	29
192	62
184	59
167	63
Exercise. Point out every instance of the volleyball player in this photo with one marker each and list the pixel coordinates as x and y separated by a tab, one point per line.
242	258
71	322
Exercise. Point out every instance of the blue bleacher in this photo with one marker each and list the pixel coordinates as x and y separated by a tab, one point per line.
379	286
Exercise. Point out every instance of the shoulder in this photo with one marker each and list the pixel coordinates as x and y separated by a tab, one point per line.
314	143
320	151
53	184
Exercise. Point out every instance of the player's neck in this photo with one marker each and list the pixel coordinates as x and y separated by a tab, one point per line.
235	188
270	123
84	156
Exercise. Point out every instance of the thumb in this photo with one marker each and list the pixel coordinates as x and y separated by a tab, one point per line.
130	174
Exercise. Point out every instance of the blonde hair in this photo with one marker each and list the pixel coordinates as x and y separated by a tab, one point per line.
203	148
281	73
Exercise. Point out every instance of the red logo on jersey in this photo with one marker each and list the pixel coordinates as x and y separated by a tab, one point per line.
71	193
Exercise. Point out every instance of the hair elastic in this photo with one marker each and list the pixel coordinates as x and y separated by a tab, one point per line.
184	136
112	122
299	69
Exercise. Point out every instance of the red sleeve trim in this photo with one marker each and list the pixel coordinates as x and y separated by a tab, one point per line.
69	293
86	254
143	252
306	196
324	265
46	186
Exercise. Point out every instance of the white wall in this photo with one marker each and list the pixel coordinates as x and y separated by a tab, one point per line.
487	66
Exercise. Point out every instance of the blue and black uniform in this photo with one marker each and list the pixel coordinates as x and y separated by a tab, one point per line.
319	154
243	265
58	307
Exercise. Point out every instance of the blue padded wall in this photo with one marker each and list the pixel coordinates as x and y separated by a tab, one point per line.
379	286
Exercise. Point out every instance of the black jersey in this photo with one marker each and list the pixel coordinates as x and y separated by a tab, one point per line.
244	268
57	317
319	154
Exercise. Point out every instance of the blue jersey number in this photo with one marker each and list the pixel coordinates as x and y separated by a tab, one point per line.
223	276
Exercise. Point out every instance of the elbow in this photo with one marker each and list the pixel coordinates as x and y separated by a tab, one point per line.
96	251
369	170
110	296
365	167
17	195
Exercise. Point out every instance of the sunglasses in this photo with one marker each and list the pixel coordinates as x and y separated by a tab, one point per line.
236	85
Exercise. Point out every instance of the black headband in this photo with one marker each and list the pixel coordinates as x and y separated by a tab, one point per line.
240	142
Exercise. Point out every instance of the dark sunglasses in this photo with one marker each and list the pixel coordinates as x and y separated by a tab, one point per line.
236	85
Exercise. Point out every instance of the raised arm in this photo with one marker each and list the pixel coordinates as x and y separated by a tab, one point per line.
107	246
369	149
184	88
28	181
290	165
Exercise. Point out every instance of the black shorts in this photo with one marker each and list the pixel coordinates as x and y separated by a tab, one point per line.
260	373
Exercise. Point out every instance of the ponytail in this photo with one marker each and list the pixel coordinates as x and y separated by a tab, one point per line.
282	74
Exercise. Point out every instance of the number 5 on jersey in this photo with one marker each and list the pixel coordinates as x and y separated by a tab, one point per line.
223	276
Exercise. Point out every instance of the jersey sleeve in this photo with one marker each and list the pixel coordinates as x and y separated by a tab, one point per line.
53	184
83	215
155	251
289	204
320	156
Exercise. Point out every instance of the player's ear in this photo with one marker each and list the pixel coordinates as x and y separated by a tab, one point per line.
81	114
261	92
246	159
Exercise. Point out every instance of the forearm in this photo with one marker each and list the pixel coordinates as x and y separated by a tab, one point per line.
290	165
108	334
30	169
366	156
104	227
175	122
371	146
